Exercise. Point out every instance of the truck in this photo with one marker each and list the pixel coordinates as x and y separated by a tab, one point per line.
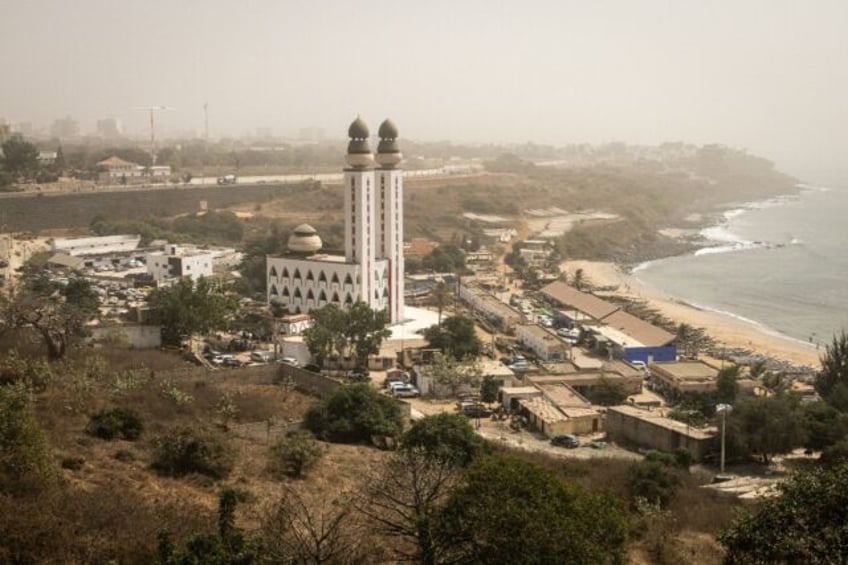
227	179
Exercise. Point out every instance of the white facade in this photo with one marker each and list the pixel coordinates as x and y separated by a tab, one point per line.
95	245
372	268
312	282
175	262
545	344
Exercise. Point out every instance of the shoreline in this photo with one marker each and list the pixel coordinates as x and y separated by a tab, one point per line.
728	330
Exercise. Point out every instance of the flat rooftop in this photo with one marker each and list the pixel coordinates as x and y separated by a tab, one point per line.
686	370
657	418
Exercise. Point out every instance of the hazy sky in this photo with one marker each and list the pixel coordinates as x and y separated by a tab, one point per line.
771	75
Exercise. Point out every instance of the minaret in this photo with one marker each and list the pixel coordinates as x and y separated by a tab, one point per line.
358	207
389	212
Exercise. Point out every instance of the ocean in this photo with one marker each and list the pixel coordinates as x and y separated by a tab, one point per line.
780	263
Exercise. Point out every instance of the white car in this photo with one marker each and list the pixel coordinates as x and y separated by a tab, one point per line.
405	391
289	361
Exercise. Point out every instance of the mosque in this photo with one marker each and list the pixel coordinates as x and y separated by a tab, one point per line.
371	269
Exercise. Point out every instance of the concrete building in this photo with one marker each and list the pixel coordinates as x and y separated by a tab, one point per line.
675	379
77	246
177	262
574	307
64	128
372	267
544	343
502	315
652	430
109	128
295	324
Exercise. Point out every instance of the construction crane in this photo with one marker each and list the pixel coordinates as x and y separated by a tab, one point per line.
152	110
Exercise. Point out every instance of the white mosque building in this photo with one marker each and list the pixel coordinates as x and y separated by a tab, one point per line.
371	269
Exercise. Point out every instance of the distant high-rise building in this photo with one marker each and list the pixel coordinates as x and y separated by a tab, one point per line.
311	134
109	128
264	133
23	128
65	127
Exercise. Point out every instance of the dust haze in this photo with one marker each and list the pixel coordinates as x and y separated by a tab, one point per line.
768	76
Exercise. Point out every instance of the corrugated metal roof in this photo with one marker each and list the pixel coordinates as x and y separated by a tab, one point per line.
647	334
583	302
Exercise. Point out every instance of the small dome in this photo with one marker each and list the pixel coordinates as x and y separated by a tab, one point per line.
304	240
305	229
358	129
388	130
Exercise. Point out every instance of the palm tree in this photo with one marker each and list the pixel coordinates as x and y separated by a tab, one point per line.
440	295
579	279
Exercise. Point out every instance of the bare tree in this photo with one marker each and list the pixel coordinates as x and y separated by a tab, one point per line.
314	531
57	322
401	500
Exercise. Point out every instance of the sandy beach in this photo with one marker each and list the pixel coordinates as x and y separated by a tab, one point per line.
724	329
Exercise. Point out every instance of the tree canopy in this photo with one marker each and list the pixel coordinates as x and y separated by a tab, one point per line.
832	380
354	413
357	331
190	307
445	436
766	426
804	524
456	336
512	511
20	158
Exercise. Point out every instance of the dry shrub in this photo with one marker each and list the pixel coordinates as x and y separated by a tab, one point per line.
110	523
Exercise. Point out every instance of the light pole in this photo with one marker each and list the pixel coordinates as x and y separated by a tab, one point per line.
723	409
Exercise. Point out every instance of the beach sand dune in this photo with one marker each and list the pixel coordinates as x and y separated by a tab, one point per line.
724	329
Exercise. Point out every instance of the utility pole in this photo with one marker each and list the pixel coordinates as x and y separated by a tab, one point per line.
152	109
723	409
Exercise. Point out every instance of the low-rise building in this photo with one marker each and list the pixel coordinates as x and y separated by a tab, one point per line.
544	343
675	379
574	307
295	324
633	339
95	245
177	262
500	314
652	430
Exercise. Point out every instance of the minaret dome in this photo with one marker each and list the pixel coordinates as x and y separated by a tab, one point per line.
388	152
359	154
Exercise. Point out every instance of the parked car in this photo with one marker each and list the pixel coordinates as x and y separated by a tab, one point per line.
565	440
405	391
312	367
474	410
231	362
289	361
387	382
261	356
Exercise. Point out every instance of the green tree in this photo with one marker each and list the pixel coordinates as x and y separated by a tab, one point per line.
20	158
805	523
354	413
766	426
727	386
832	380
446	258
190	307
511	511
654	480
25	455
184	450
489	387
228	547
357	330
447	371
607	392
441	296
456	336
824	425
445	436
57	322
294	455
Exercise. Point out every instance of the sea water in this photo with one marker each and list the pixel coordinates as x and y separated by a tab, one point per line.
781	263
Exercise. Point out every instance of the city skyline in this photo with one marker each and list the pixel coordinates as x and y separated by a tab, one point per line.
753	74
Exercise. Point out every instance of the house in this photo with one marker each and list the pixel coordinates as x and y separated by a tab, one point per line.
652	430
